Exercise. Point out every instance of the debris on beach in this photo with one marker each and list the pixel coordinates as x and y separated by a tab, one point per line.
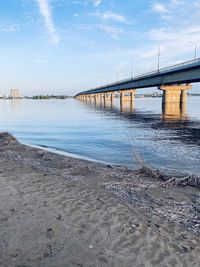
158	201
7	139
184	180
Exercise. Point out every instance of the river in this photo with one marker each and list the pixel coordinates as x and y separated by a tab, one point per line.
120	138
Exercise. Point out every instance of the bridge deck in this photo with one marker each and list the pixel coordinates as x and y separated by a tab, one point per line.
186	72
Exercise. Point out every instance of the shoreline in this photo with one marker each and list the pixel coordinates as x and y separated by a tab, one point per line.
157	173
71	155
164	171
61	211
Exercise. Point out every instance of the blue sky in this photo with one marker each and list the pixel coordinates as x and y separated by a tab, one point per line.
64	46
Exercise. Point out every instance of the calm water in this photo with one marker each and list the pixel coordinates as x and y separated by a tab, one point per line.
109	136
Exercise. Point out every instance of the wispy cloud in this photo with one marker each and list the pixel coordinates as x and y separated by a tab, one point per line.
40	61
109	16
171	37
114	32
10	28
176	44
166	9
45	11
180	30
160	8
97	2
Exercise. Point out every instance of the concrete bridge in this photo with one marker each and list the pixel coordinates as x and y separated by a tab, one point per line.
174	81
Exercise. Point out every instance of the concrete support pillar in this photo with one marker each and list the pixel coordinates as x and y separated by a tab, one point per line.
123	96
112	97
171	110
183	96
127	98
174	99
104	96
91	98
132	99
107	97
175	93
112	100
171	96
183	108
95	99
106	100
87	98
100	99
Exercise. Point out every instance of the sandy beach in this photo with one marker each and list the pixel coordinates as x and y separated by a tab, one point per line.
58	211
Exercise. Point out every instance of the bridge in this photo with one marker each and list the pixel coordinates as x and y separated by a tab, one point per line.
174	81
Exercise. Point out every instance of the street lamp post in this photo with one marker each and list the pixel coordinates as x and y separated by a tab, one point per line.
195	48
158	58
117	76
195	51
131	68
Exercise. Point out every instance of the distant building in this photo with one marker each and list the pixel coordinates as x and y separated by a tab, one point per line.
15	93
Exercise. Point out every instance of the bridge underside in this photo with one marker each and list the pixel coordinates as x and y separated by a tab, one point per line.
173	101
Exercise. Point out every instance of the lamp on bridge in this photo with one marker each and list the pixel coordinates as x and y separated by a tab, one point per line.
195	48
158	58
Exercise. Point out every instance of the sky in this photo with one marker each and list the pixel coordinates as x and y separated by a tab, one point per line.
67	46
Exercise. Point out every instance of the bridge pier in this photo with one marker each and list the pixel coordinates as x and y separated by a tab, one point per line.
174	99
97	99
101	100
112	99
132	96
109	100
94	99
91	99
173	111
175	93
127	101
106	100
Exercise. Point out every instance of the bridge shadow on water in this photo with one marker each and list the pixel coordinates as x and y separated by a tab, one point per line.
178	127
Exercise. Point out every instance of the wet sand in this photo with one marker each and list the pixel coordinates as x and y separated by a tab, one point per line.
58	211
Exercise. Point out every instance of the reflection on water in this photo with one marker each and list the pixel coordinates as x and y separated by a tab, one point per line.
15	103
173	117
174	111
110	132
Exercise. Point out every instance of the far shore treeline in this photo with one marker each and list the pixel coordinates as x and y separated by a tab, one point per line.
49	97
38	97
